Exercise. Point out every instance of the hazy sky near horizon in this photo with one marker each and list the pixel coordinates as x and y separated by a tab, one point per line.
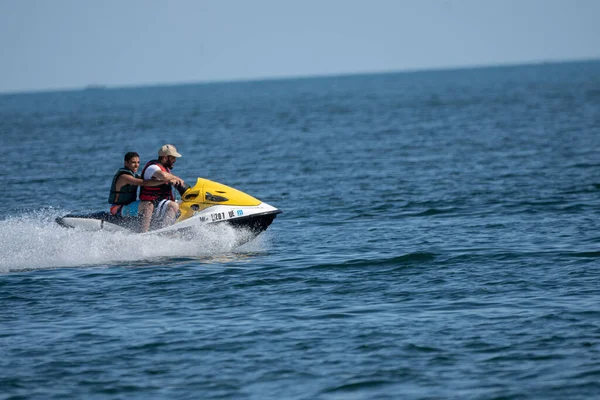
62	44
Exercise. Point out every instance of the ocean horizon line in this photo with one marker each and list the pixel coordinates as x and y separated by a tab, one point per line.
257	79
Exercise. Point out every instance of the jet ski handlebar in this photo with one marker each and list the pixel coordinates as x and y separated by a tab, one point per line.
182	188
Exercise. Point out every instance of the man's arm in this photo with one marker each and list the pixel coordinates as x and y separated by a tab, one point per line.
130	180
154	172
167	177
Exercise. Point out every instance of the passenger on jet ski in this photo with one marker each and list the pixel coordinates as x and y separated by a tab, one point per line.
159	200
123	190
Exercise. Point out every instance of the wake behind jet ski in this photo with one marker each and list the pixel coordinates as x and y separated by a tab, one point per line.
207	202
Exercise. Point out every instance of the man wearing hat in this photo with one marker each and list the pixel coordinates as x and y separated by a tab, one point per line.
159	200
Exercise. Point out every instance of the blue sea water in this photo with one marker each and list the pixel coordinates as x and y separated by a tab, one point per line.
439	239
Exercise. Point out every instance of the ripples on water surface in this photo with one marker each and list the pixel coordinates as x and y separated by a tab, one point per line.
439	240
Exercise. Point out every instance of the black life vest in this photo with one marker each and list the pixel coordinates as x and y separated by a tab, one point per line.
154	193
127	194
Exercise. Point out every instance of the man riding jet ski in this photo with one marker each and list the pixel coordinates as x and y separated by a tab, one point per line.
159	200
206	202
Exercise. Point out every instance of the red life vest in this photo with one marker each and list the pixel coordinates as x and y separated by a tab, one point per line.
156	193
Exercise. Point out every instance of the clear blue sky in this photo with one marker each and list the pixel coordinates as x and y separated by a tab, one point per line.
54	44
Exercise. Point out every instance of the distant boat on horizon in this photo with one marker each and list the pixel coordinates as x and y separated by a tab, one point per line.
94	87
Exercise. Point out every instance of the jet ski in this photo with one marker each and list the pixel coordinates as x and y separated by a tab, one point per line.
206	202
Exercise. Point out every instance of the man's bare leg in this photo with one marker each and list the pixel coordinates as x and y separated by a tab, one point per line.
145	210
170	213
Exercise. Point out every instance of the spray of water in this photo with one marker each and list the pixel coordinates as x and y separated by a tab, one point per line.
35	241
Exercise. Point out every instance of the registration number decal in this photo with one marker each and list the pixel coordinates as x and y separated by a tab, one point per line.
220	216
217	216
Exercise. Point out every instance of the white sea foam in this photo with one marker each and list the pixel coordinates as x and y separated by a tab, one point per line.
35	241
